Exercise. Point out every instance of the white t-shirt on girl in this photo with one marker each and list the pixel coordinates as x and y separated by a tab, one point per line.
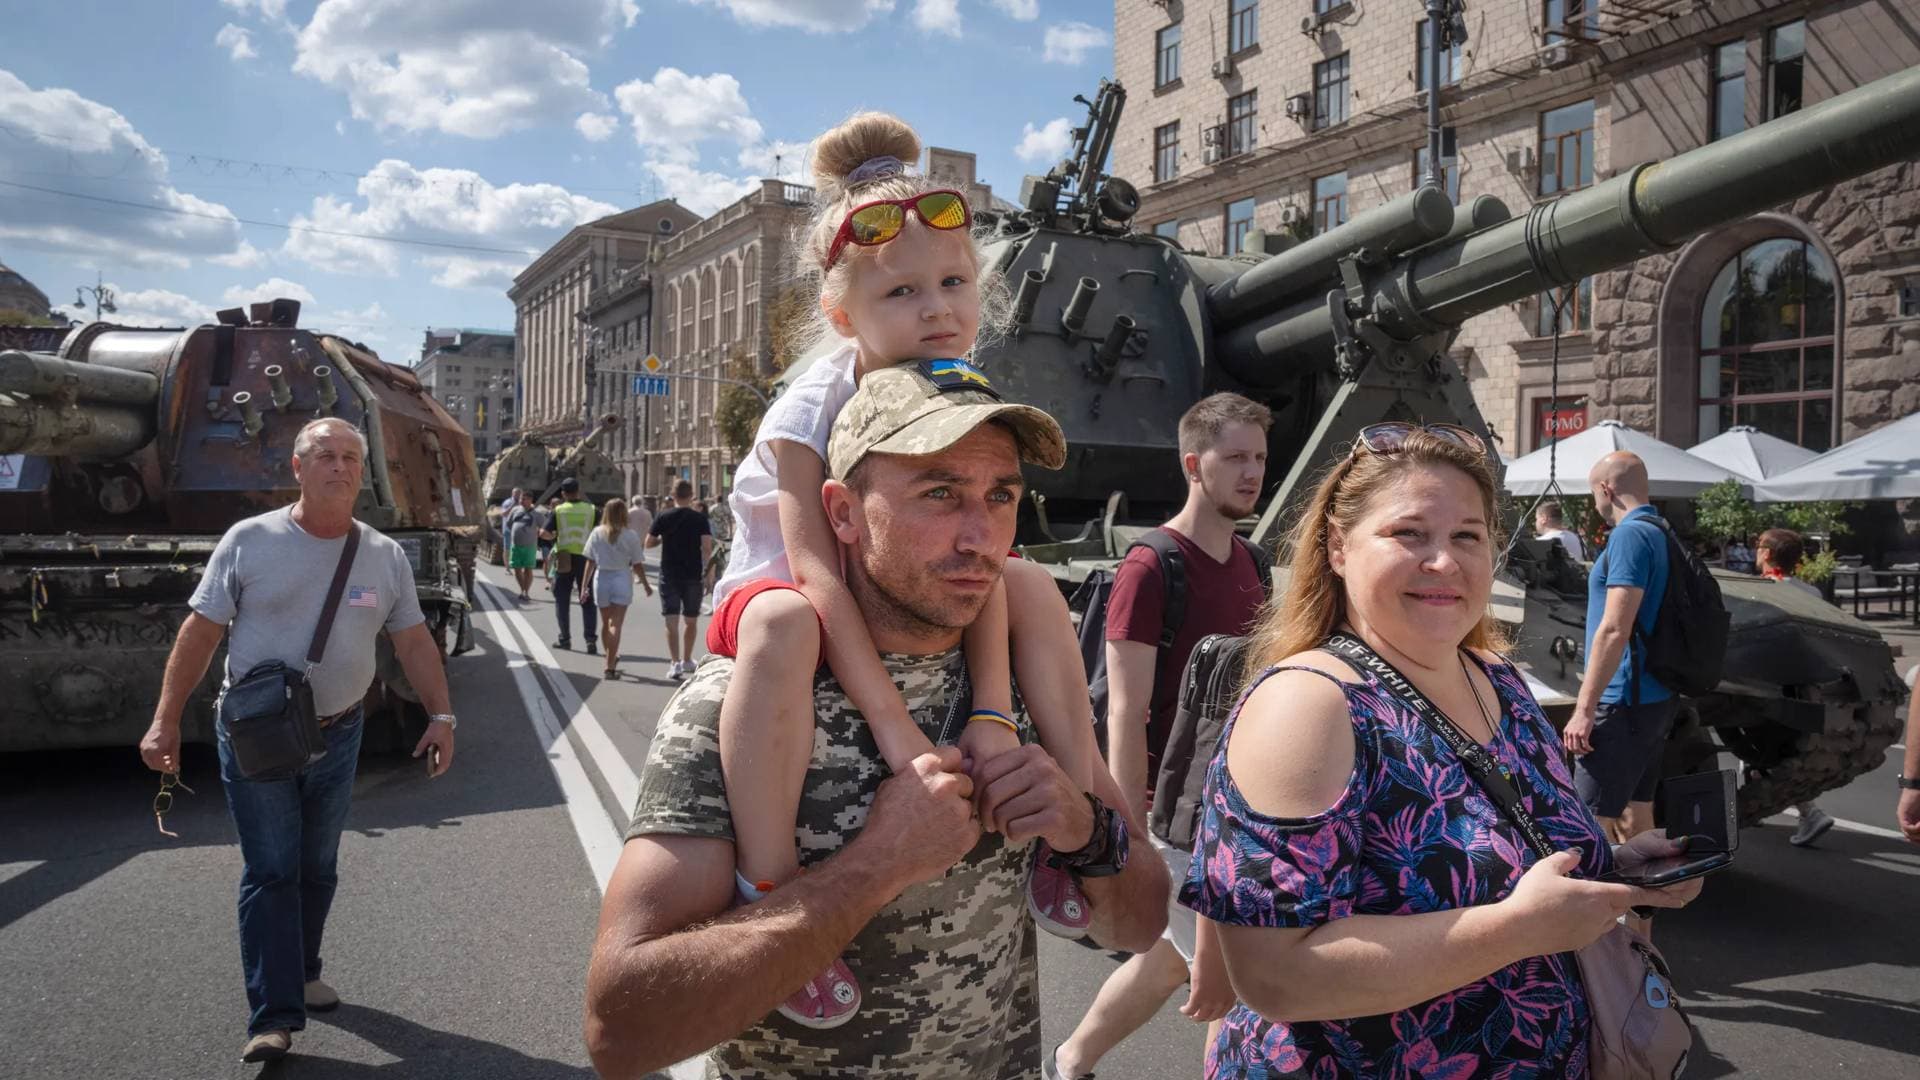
803	414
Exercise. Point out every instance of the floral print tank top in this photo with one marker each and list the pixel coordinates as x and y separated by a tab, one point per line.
1412	833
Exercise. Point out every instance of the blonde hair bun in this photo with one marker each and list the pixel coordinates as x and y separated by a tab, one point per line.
858	140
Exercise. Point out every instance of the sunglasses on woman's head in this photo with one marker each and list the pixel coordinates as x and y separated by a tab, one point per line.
875	223
1391	437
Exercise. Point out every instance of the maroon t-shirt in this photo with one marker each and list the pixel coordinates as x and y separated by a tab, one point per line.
1222	598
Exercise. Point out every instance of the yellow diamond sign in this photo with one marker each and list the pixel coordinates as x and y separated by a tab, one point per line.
652	365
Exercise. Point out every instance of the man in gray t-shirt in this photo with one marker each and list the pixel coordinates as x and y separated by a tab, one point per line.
263	591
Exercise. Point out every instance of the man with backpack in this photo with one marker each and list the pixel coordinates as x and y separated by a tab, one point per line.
1192	577
1620	720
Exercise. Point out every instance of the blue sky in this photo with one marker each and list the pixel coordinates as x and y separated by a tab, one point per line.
486	127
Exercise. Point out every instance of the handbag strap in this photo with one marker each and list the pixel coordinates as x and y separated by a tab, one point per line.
318	647
1486	770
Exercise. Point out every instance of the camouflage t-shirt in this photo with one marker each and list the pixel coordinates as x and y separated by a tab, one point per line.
948	971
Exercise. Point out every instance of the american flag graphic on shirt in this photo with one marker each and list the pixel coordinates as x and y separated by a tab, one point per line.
362	596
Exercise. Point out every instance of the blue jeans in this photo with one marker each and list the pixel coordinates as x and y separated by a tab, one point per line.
290	841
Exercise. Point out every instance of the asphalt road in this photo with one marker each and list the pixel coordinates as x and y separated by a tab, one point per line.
467	904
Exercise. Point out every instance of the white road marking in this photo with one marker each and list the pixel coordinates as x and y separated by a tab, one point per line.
599	837
1855	826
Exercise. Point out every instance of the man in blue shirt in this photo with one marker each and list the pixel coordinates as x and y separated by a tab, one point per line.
1620	720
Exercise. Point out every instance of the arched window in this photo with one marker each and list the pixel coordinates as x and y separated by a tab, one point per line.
729	300
670	318
750	296
1767	348
687	343
707	292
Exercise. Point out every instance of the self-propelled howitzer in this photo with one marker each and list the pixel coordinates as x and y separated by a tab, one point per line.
1117	333
126	455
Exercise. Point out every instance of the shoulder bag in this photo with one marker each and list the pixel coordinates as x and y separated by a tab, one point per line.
268	714
1639	1031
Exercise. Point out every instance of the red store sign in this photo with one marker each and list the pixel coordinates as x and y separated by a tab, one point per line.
1561	419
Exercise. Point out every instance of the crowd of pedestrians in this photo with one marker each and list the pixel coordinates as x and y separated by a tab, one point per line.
855	813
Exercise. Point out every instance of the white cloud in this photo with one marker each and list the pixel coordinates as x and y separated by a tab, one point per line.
476	68
397	200
273	288
937	17
817	16
674	112
62	140
246	258
1045	145
271	10
1024	10
472	272
795	164
596	127
700	191
237	42
1069	42
153	307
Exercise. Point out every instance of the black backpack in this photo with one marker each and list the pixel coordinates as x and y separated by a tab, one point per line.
1208	689
1090	601
1687	647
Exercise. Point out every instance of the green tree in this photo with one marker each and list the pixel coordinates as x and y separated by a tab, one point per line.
16	317
1724	513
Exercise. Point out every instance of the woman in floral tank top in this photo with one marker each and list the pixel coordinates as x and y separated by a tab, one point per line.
1380	916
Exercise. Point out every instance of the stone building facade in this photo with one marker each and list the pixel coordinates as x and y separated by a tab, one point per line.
1805	322
470	373
551	340
17	294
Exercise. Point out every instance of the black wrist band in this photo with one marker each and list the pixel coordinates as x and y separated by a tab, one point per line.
1908	783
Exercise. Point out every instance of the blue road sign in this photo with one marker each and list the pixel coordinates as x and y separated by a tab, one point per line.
649	386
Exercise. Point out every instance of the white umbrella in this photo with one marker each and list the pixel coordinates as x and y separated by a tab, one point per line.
1753	453
1882	464
1672	473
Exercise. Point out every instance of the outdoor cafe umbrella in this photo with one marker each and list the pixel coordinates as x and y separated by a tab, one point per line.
1882	464
1753	453
1672	473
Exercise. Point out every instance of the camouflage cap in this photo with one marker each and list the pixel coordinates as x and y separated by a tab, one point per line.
925	406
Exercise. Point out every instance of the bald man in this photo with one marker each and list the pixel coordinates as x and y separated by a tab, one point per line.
1620	720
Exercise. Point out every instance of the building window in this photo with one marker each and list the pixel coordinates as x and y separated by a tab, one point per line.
506	413
707	296
1767	354
729	300
1449	165
1566	148
1329	202
1565	19
750	302
1729	103
1449	62
1330	86
1166	53
1239	224
1169	229
1241	110
1786	65
1166	152
1243	24
669	308
1572	304
1327	7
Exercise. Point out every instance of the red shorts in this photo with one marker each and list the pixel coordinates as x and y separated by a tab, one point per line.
723	630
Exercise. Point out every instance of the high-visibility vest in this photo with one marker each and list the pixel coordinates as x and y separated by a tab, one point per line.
572	521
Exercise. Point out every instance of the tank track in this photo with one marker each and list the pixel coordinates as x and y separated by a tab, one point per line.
1811	763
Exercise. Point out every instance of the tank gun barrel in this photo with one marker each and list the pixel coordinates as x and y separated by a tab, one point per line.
1650	208
64	407
50	378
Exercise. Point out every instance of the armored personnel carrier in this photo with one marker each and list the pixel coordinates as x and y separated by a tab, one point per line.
126	455
532	465
1117	332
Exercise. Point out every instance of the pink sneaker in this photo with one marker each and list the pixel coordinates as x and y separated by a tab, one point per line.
828	1000
1054	897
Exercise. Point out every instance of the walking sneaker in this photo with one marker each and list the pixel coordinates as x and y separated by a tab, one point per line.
1050	1068
320	997
1814	823
267	1046
828	1000
592	650
673	670
1054	897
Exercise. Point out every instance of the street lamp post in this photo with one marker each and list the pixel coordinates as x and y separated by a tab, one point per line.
102	294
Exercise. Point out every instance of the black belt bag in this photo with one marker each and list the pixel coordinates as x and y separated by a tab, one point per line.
268	714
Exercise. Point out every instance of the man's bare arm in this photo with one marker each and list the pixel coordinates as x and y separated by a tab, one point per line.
1610	640
193	648
1130	671
420	658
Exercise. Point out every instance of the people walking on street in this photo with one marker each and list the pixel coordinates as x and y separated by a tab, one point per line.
685	542
1550	523
922	897
522	528
901	285
1621	717
614	554
507	506
1377	919
546	538
1223	453
573	519
263	592
1777	557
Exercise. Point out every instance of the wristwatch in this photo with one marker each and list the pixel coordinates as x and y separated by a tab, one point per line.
444	718
1105	852
1908	783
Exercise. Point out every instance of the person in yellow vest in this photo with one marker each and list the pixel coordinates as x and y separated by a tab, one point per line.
573	520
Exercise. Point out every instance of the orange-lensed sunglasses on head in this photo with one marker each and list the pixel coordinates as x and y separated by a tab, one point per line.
875	223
